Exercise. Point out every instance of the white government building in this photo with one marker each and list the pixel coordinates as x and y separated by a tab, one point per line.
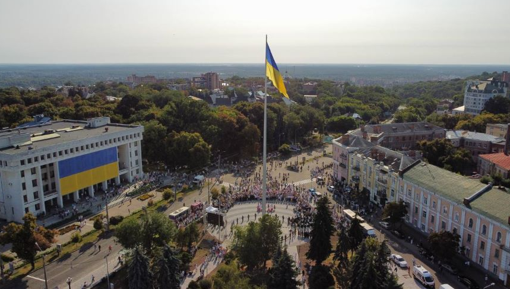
45	166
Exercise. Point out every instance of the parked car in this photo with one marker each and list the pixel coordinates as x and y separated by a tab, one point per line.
331	188
423	276
426	253
449	268
470	283
385	225
398	234
397	259
311	191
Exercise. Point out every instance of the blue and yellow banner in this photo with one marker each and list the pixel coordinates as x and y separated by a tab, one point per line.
273	73
84	171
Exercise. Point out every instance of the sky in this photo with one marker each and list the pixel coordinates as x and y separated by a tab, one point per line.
224	31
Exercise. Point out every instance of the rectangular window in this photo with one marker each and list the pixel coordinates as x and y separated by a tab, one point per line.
496	253
26	211
432	219
434	205
45	188
54	154
29	160
424	214
23	174
36	195
45	176
34	183
423	227
36	159
53	186
37	207
480	261
32	170
22	162
416	210
60	153
495	269
23	186
468	238
42	157
52	174
425	200
482	245
25	198
443	225
48	156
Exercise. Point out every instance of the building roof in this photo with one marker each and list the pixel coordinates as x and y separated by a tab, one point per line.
405	127
493	203
499	159
490	86
471	135
396	160
56	132
460	108
498	125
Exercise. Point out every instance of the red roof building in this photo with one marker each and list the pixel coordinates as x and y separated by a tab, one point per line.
497	163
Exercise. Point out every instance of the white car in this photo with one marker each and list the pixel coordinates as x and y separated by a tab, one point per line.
331	188
385	225
397	259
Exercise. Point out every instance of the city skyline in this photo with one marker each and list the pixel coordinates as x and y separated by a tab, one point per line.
371	32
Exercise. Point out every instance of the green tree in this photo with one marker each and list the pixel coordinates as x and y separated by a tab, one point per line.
320	278
98	224
24	236
230	277
154	133
395	212
188	149
140	275
320	236
341	124
283	273
342	250
445	244
356	234
441	153
498	105
284	149
167	194
167	275
370	267
152	230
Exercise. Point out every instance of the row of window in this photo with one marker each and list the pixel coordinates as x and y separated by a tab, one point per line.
79	148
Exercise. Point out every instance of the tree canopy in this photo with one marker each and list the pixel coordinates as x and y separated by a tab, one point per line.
322	229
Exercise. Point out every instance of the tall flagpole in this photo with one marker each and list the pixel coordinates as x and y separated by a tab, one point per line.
264	150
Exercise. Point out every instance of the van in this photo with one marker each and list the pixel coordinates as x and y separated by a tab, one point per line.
198	179
423	276
446	286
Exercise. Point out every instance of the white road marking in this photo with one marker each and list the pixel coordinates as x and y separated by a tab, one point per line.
35	278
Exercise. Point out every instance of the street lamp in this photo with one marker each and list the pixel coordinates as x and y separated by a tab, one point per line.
490	285
69	281
44	266
107	273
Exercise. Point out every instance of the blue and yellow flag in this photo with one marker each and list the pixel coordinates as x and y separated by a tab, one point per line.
273	73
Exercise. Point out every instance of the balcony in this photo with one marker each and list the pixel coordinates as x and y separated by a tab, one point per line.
355	179
50	193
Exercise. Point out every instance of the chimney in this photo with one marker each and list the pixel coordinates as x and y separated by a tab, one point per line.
507	139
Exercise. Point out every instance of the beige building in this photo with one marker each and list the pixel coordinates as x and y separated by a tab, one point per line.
497	129
439	200
498	163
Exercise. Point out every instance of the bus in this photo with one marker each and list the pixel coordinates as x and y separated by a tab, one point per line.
369	230
179	214
350	215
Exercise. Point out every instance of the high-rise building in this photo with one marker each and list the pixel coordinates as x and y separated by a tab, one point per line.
477	93
209	80
45	166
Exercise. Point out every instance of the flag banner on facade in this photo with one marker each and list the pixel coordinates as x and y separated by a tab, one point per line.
273	73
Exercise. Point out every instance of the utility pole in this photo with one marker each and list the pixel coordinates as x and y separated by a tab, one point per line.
107	216
107	273
44	266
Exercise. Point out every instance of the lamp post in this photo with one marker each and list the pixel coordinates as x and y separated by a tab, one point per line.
107	273
69	281
107	216
44	266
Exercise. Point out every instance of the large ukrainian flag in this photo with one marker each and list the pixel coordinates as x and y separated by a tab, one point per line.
84	171
273	73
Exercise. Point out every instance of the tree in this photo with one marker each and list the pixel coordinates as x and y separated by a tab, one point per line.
370	267
283	273
441	153
23	238
187	236
230	277
154	133
320	277
498	105
342	250
167	275
257	242
284	149
356	234
320	236
187	149
445	244
395	212
341	124
152	230
98	224
167	194
140	274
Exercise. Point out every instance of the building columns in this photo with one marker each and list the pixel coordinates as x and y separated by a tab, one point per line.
105	186
91	191
76	195
41	188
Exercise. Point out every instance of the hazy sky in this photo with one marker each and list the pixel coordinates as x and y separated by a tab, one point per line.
221	31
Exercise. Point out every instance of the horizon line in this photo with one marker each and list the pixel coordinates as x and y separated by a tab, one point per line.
261	64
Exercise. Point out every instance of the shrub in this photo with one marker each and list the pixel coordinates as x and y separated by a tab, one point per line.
145	197
150	203
115	220
184	188
67	229
223	190
76	237
97	217
167	194
284	149
505	183
205	284
98	224
193	285
7	258
486	179
215	193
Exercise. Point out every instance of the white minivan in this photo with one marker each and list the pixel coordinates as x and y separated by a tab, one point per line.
446	286
423	276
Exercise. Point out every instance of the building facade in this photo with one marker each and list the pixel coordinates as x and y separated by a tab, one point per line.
498	163
209	80
46	166
477	93
439	200
497	129
475	142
